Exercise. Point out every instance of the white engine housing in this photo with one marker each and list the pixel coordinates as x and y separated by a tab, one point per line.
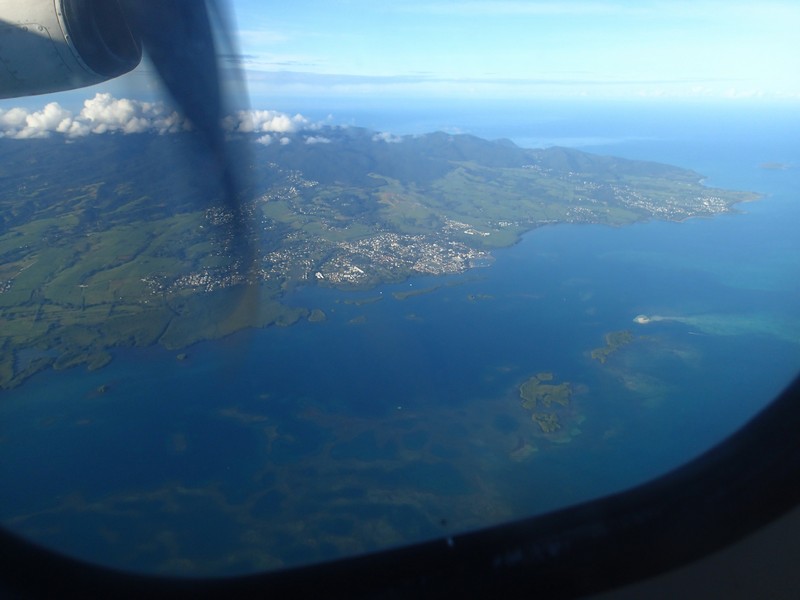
55	45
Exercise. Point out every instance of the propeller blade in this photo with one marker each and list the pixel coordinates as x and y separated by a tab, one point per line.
178	37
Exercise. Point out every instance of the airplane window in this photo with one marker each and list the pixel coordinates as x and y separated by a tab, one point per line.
492	259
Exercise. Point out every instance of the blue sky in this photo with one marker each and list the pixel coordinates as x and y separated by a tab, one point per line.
312	54
522	49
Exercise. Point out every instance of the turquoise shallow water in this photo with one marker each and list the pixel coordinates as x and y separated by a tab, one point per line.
399	420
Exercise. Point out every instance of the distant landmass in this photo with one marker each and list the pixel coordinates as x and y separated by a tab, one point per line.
113	240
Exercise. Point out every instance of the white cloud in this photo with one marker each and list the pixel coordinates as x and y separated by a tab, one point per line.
317	139
385	136
14	117
101	114
264	121
106	114
19	123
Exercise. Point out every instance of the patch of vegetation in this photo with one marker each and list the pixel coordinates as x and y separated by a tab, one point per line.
115	240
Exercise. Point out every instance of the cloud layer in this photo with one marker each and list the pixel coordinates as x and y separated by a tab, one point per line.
106	114
101	114
271	124
265	121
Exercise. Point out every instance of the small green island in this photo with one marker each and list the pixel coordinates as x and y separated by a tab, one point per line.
120	240
539	396
614	341
317	315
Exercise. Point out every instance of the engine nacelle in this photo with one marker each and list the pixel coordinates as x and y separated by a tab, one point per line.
56	45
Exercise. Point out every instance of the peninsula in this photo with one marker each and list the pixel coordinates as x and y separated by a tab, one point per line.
120	240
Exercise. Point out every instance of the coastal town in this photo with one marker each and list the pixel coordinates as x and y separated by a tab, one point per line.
383	257
321	247
106	258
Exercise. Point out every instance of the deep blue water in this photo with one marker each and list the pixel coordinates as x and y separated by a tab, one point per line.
397	420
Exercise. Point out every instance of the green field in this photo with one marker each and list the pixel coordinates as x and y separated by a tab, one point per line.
118	240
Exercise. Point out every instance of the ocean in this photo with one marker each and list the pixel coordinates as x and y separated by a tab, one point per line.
399	417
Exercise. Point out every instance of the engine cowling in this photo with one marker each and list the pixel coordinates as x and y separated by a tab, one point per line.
56	45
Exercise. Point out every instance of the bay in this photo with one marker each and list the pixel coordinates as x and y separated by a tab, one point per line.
398	418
